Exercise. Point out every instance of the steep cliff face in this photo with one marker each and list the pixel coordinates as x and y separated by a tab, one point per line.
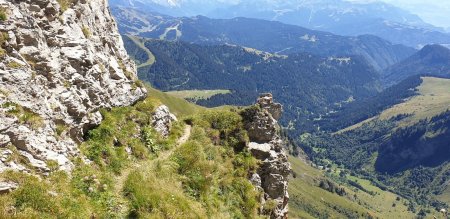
60	62
266	145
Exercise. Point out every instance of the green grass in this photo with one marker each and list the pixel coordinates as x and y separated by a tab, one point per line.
307	200
432	100
52	197
154	192
177	106
197	94
202	178
3	15
3	37
60	129
2	53
137	173
107	144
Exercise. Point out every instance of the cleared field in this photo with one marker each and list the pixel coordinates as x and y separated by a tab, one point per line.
197	94
140	42
355	126
433	99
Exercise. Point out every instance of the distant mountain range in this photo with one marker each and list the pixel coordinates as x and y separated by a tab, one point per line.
431	60
270	36
336	16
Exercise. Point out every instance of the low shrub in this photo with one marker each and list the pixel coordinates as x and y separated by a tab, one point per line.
3	14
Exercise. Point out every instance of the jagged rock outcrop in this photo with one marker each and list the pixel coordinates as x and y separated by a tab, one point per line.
266	145
60	62
162	120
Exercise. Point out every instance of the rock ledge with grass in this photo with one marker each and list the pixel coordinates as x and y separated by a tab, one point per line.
61	61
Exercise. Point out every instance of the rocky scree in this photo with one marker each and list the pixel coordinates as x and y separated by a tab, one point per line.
61	61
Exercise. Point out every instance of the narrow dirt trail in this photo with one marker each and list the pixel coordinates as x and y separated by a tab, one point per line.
120	180
183	139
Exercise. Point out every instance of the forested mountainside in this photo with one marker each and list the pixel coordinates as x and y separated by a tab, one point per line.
268	36
350	18
363	109
431	59
307	85
403	148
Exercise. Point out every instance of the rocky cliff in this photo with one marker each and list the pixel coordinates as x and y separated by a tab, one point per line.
267	146
61	61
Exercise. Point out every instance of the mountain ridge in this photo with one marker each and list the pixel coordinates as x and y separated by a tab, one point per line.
336	16
269	36
431	60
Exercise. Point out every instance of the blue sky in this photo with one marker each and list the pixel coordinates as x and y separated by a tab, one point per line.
436	12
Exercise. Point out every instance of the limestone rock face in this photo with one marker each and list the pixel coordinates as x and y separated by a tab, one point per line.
162	120
265	101
266	145
58	66
261	120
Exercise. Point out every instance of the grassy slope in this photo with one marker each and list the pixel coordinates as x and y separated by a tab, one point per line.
307	200
445	196
433	99
197	94
177	106
160	178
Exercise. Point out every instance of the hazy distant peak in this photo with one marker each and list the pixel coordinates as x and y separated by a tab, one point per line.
433	47
436	53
